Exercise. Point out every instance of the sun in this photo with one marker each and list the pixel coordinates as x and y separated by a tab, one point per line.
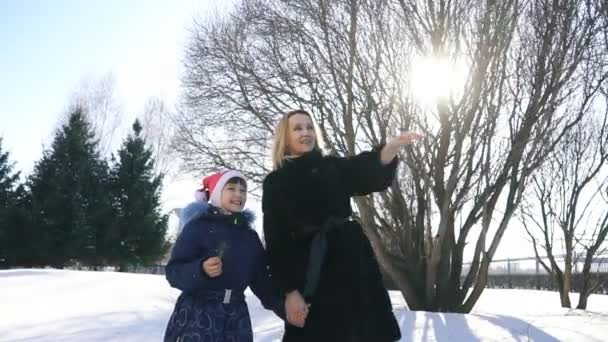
434	79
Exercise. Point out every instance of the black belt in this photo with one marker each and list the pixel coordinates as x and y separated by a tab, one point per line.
318	249
221	296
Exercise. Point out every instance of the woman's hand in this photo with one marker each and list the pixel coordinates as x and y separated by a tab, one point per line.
390	150
296	309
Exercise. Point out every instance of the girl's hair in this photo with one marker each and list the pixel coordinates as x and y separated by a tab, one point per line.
237	180
279	148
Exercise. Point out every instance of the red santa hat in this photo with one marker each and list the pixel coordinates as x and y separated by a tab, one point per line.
212	186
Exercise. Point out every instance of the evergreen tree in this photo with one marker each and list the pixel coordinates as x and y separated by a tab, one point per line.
21	242
8	179
139	230
8	202
70	196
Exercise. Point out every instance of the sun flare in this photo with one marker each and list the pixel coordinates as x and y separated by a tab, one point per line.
435	79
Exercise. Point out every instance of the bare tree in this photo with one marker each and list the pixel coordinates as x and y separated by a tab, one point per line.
564	202
97	98
533	73
568	199
157	131
596	245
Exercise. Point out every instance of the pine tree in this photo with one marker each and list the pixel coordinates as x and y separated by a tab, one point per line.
140	228
70	195
21	242
8	179
8	203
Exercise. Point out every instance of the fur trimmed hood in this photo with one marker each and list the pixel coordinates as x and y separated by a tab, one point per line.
196	210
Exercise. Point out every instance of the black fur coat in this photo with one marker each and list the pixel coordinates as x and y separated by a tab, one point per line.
350	303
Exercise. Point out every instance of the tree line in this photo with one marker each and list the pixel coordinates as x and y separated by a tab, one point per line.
78	209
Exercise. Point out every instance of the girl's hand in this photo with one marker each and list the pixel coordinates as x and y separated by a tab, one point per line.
212	267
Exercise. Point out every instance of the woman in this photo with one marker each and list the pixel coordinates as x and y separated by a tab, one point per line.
320	257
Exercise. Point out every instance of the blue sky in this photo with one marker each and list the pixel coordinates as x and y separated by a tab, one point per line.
50	47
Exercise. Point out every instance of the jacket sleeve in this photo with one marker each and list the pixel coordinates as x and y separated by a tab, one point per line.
364	173
262	285
279	241
184	269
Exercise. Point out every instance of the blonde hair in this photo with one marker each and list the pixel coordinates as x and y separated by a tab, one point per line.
281	134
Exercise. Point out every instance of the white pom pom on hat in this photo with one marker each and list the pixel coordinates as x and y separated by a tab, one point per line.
200	195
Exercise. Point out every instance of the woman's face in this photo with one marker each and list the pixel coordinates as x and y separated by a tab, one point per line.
300	135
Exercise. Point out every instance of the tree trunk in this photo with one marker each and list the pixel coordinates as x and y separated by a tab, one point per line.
564	293
586	287
582	300
480	283
399	277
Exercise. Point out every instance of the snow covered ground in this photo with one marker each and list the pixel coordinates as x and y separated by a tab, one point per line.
54	305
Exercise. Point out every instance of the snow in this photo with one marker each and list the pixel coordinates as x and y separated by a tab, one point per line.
61	305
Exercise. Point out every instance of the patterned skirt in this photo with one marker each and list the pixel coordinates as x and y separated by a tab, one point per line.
203	317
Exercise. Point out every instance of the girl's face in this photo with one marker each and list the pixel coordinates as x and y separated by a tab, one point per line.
300	135
234	196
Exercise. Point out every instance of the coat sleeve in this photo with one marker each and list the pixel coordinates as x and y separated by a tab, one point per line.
364	173
184	269
262	285
279	242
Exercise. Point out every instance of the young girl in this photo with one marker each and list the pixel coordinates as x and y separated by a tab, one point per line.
216	256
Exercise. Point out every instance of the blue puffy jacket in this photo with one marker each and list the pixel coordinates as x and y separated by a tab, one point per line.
207	232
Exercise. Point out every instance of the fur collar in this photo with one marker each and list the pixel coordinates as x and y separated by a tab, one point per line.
305	161
204	210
